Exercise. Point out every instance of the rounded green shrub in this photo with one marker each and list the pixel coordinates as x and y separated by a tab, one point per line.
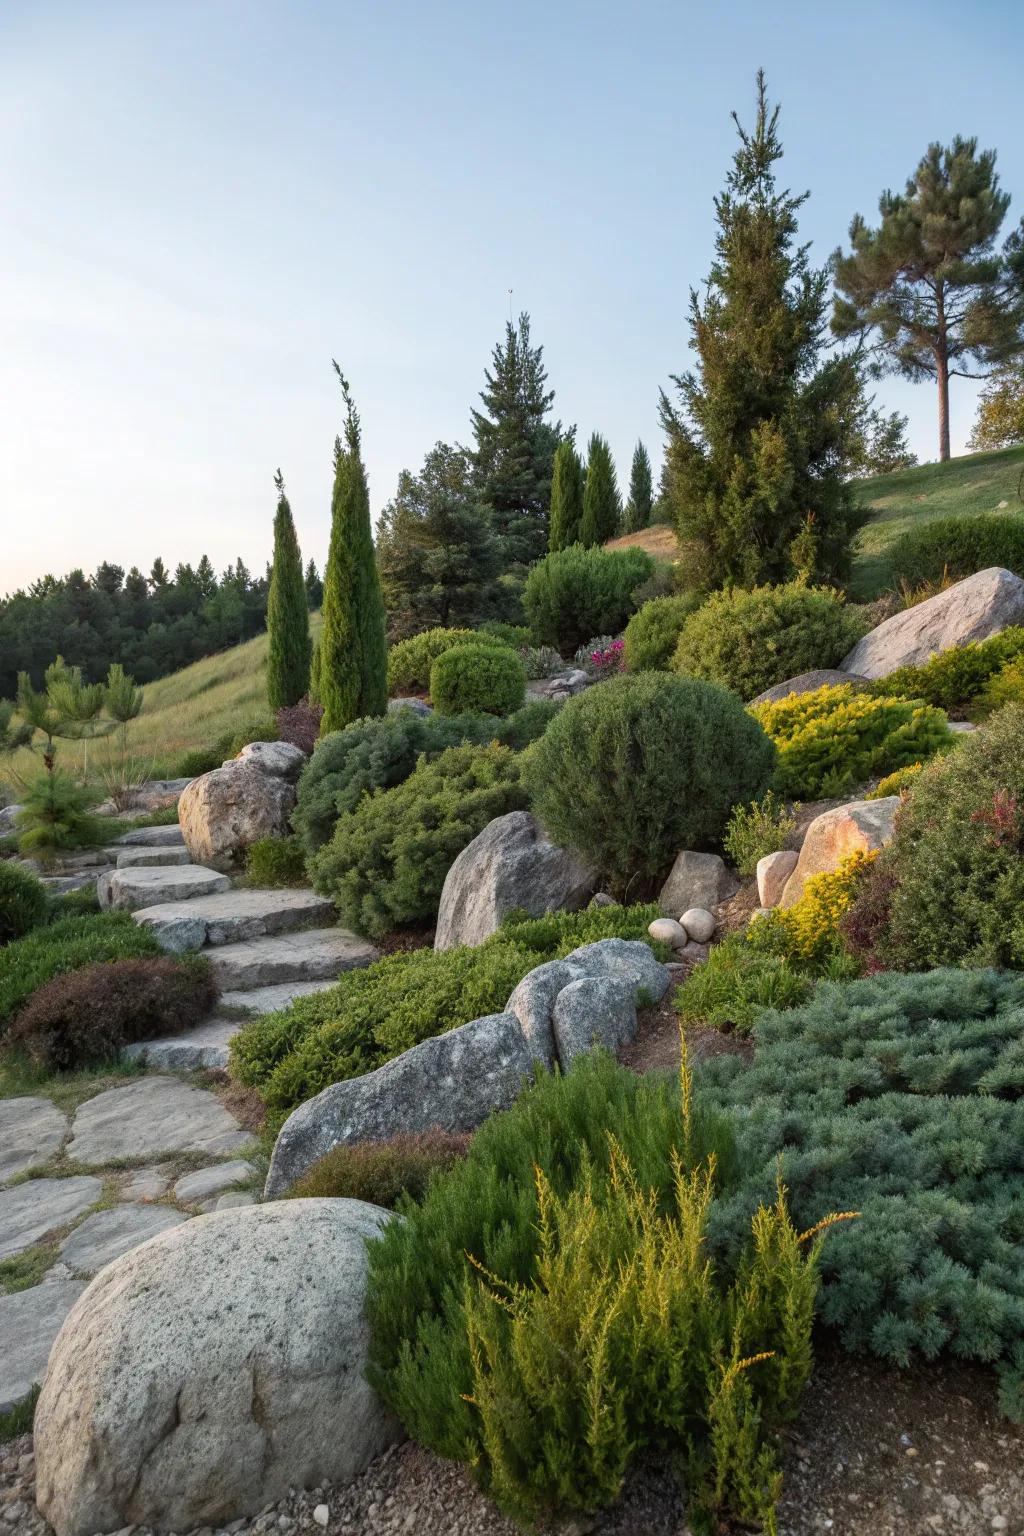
576	593
957	547
477	680
65	945
749	641
23	903
410	661
636	769
652	634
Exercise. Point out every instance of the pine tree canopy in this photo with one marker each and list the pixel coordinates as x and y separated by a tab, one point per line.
438	558
757	436
602	506
515	446
928	283
289	647
640	504
352	665
566	497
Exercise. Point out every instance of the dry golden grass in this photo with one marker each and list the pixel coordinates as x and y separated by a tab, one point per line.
659	541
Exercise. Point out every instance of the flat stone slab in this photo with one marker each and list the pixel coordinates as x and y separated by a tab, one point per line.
104	1236
129	890
145	858
152	837
204	1046
231	917
318	954
31	1132
30	1210
205	1182
155	1114
146	1184
272	999
29	1323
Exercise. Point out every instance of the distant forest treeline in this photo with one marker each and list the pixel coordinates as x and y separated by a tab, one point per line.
151	624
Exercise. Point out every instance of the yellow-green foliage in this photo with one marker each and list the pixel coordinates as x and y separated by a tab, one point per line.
833	739
807	933
1006	687
896	783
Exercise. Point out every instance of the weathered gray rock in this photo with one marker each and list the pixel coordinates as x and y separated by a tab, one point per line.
418	706
30	1210
233	916
316	954
104	1236
279	759
696	880
152	1115
510	865
206	1373
862	826
693	953
204	1182
533	1002
195	1050
773	871
233	1200
29	1322
630	959
8	816
151	837
453	1081
973	609
31	1132
132	890
699	924
668	931
222	813
596	1010
809	682
146	1184
271	999
147	858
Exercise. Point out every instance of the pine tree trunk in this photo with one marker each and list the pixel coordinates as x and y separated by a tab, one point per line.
943	378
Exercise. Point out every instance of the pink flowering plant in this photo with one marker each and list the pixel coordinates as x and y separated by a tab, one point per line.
601	657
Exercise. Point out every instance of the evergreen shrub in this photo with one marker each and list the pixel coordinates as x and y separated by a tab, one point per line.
652	634
477	680
576	593
276	862
956	547
755	830
382	1171
834	739
952	679
630	772
749	641
66	945
56	816
23	902
410	661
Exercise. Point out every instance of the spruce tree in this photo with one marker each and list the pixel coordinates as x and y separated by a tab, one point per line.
602	507
566	497
314	587
289	645
353	649
756	439
439	561
641	492
929	283
515	446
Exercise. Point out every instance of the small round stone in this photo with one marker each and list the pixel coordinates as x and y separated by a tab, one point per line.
699	924
668	931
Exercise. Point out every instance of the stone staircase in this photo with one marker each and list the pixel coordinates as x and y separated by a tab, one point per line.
266	947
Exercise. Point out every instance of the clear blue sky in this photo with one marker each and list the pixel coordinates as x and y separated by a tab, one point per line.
206	200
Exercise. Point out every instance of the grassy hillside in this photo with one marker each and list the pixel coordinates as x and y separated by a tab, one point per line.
976	483
191	708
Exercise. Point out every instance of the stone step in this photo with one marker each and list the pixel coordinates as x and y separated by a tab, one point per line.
271	999
151	858
233	916
152	837
131	890
204	1046
62	885
316	954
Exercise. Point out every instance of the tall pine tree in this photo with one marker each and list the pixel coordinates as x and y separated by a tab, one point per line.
566	497
757	437
352	663
637	514
289	645
602	507
515	446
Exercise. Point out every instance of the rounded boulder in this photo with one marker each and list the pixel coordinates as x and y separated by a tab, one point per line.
202	1375
222	813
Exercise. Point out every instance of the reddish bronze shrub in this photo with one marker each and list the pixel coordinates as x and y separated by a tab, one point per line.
380	1171
85	1017
299	724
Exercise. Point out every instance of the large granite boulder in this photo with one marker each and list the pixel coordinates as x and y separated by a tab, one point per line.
809	682
511	864
862	826
973	609
596	1010
222	813
204	1374
696	880
278	759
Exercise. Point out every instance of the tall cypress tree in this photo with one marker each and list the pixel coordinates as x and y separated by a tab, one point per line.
353	650
757	441
515	446
566	497
602	508
289	645
641	492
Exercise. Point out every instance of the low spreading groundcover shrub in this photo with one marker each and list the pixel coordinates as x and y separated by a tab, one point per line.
67	945
374	1014
382	1171
899	1097
952	679
550	1310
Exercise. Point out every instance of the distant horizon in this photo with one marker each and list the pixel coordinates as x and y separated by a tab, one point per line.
209	201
